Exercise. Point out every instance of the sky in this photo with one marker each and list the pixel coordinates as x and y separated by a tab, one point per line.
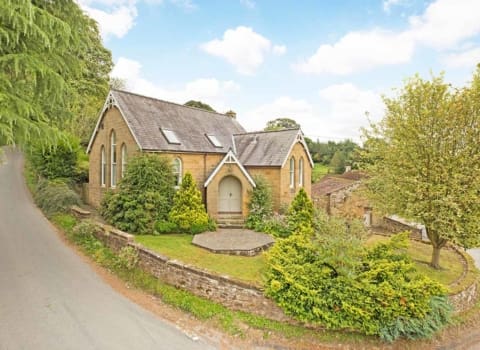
325	64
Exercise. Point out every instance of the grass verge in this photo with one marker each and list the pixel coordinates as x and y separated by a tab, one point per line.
319	171
180	247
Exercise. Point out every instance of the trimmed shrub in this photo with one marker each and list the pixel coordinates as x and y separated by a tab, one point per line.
54	197
188	212
260	206
337	283
276	226
163	226
143	197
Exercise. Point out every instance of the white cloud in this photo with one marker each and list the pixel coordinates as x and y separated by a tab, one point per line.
279	50
208	90
387	4
282	107
117	17
359	51
346	108
339	113
117	21
443	24
243	48
446	22
465	59
250	4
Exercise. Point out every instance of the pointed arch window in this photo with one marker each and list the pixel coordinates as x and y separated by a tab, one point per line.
177	171
292	172
124	160
113	159
103	167
300	173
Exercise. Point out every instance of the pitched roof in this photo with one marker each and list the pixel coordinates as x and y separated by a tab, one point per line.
146	117
266	148
330	184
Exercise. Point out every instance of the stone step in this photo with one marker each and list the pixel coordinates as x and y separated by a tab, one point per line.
230	226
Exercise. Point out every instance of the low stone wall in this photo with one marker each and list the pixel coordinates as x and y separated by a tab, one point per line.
465	299
233	294
221	289
395	226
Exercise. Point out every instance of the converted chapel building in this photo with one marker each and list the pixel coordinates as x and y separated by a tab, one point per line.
223	158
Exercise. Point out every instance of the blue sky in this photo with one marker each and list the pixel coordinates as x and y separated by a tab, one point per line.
323	63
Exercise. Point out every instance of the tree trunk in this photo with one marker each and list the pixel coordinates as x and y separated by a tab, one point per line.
437	244
435	263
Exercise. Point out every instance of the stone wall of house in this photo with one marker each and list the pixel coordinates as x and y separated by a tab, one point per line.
286	192
221	289
112	120
272	176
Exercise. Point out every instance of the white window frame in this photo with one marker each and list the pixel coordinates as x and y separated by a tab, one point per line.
103	167
178	171
300	172
124	160
113	159
171	136
292	172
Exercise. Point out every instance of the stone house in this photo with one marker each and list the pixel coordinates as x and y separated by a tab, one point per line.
221	156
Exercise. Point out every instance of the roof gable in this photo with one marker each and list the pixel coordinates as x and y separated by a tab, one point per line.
268	148
229	158
146	117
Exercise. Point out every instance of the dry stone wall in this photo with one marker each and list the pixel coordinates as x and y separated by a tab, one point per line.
221	289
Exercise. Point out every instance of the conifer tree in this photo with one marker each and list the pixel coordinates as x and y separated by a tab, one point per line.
300	213
188	211
51	61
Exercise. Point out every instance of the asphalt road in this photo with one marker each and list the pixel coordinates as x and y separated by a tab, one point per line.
51	299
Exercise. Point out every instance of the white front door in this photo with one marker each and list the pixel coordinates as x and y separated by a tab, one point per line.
230	195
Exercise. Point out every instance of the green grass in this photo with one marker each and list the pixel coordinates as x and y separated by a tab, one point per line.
450	262
319	171
179	247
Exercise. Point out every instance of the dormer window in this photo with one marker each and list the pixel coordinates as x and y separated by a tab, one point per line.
214	141
170	136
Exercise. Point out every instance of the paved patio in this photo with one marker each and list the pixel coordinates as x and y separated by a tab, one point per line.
234	241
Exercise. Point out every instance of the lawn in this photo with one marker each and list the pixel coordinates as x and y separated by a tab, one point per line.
421	253
319	171
179	247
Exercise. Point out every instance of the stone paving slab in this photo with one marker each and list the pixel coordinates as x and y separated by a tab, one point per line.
234	241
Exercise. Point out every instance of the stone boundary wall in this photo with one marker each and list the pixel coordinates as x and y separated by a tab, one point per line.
233	294
465	299
396	226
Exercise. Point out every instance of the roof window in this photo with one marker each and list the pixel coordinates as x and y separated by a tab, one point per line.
170	136
213	139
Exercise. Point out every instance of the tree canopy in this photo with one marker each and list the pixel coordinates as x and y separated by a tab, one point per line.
425	160
53	68
281	123
199	104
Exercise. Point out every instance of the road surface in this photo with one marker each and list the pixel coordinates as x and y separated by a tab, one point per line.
51	299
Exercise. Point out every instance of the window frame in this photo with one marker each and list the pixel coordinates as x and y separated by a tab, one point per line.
301	179
177	166
103	167
292	172
123	154
113	159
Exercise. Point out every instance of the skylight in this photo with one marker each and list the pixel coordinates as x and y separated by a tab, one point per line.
170	136
213	139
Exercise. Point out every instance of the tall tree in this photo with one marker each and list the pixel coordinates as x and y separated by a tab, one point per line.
425	157
281	123
51	62
199	104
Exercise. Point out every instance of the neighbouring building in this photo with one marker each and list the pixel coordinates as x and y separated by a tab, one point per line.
223	158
